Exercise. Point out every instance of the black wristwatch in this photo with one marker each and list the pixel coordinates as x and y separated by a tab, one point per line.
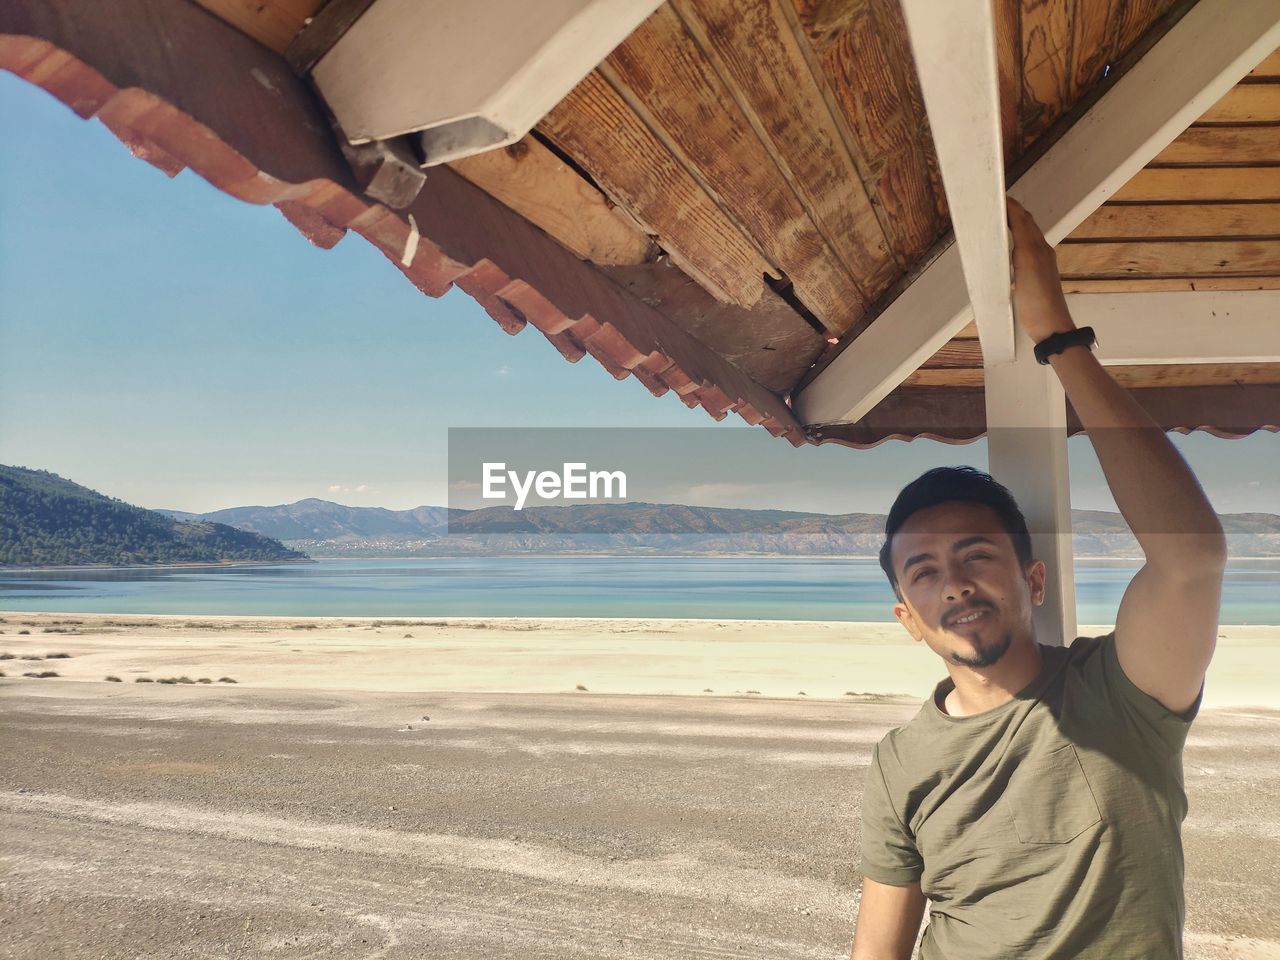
1046	348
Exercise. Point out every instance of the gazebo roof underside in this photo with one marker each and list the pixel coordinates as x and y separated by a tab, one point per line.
737	191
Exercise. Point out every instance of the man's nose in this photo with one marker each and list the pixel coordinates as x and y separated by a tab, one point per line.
958	584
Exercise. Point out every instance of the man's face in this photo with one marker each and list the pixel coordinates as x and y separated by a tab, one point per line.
964	592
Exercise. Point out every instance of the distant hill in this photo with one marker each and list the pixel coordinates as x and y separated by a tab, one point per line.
329	529
46	520
322	520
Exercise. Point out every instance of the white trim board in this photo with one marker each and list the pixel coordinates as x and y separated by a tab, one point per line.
954	45
1205	54
1227	326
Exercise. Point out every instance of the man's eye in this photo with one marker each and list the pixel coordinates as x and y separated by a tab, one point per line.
979	556
921	575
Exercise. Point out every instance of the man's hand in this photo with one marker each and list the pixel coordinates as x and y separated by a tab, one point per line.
1039	306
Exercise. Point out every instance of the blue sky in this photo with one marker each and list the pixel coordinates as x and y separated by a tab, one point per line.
168	345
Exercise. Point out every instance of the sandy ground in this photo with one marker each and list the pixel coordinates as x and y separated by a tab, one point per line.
311	809
515	655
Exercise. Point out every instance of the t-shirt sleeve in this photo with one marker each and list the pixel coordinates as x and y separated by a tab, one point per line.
889	853
1148	718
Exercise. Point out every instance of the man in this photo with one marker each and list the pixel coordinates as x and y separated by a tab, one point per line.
1037	799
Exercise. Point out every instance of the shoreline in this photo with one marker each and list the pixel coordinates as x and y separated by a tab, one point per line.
810	660
1091	559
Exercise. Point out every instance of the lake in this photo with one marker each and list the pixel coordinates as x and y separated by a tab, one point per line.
744	588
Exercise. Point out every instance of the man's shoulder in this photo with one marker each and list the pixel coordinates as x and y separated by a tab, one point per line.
904	741
1086	656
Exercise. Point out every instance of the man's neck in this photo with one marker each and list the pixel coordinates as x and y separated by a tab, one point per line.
979	689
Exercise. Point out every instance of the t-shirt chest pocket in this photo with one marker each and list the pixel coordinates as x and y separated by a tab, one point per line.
1050	799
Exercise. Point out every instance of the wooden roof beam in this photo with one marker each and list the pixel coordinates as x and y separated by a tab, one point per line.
955	54
1209	50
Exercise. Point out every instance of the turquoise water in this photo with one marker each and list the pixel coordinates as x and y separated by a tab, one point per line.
750	588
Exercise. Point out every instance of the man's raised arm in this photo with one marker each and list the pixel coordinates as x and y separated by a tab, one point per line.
1166	627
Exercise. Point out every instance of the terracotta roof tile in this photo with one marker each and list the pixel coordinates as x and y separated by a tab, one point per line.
482	283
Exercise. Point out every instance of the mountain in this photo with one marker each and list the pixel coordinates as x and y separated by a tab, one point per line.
329	529
48	520
313	519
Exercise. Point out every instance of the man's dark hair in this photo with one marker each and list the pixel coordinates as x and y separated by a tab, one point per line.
944	484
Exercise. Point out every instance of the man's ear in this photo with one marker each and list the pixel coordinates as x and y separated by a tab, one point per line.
907	619
1037	573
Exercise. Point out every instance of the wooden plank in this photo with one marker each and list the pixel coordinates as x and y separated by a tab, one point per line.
1046	44
1188	184
957	415
322	31
1268	69
955	59
1008	20
273	23
1246	103
1169	258
1196	374
870	95
1223	145
1180	220
755	48
1085	285
1131	377
771	343
666	79
546	191
595	126
825	21
1206	52
893	28
1094	29
1138	17
960	353
468	225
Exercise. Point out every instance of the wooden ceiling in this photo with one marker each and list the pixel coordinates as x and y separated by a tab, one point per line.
761	172
1203	215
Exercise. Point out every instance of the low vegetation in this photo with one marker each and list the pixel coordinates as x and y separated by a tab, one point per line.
42	674
47	520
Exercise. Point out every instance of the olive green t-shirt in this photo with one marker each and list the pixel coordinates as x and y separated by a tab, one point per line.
1048	827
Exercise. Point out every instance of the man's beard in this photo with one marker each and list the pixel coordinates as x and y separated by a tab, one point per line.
987	655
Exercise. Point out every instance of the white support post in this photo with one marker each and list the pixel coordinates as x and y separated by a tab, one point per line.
1027	452
954	45
1202	56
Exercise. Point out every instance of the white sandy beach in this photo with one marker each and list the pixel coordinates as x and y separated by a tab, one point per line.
818	660
400	789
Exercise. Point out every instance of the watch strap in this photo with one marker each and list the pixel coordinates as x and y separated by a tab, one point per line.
1081	337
